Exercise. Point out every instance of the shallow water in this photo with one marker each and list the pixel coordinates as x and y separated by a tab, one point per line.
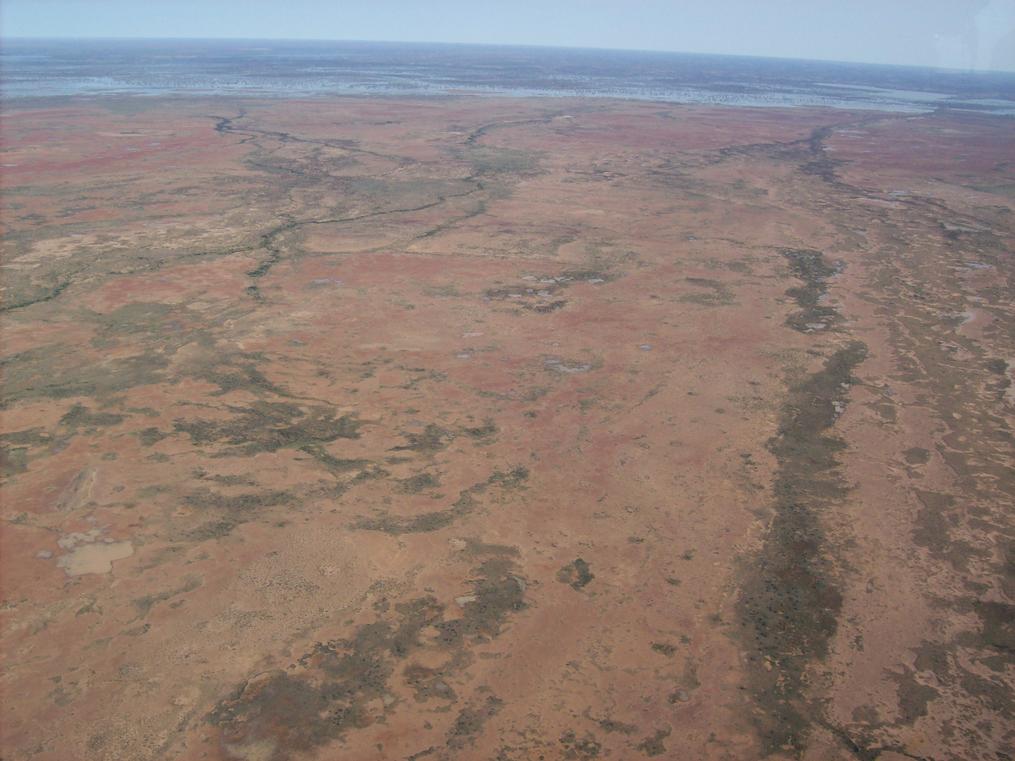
33	69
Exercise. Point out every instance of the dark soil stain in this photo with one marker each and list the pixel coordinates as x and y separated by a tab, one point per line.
236	372
716	293
913	696
13	460
542	295
60	372
576	573
417	524
551	306
16	448
610	726
470	722
224	480
934	523
585	276
916	456
150	436
438	519
418	483
790	599
79	416
337	686
580	748
429	683
139	318
998	625
484	432
512	479
30	437
431	440
147	602
229	511
271	426
814	271
653	744
664	648
40	296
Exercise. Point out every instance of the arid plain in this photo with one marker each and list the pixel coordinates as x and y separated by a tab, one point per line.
504	428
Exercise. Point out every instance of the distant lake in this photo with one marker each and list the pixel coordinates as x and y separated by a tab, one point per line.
39	69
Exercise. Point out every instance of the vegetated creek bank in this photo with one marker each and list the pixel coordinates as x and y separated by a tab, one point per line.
790	596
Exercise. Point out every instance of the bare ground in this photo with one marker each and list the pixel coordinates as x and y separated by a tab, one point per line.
478	428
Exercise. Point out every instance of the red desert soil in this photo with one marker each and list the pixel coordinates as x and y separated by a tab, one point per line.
478	428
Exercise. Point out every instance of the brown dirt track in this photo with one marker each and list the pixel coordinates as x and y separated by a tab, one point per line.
491	428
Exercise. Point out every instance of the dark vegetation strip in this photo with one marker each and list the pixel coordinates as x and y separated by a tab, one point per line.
438	519
790	600
810	267
226	126
329	691
52	294
269	240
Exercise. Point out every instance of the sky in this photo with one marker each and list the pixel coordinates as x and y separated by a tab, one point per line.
961	34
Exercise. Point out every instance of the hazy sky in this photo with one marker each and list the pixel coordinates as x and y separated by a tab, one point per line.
963	34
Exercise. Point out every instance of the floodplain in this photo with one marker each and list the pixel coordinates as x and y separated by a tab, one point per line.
473	427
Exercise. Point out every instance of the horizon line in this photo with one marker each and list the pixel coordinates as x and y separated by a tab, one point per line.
90	38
